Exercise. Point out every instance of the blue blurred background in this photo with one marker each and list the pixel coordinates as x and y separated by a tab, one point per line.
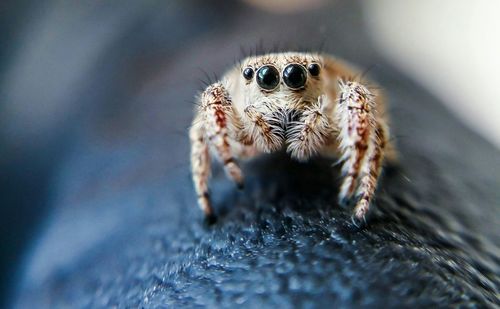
92	71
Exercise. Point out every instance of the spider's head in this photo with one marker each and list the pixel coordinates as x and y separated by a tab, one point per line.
274	92
286	80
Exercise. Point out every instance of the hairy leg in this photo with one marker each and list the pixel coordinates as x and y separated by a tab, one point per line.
210	129
356	120
370	170
219	121
200	165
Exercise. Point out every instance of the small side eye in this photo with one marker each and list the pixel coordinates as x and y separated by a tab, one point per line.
248	73
313	69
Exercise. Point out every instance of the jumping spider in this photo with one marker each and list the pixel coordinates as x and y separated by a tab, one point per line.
305	103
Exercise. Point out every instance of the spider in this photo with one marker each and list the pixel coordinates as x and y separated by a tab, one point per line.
307	104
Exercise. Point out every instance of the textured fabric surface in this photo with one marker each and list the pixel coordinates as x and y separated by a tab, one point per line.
124	230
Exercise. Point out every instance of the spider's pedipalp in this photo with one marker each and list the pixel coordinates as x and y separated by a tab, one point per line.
307	135
265	126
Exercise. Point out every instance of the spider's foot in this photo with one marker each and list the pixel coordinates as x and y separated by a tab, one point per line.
210	219
234	172
240	185
361	210
344	201
358	222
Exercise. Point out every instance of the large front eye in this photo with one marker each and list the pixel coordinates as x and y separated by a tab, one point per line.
295	76
268	77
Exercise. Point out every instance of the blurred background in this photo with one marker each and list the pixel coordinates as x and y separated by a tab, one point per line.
68	71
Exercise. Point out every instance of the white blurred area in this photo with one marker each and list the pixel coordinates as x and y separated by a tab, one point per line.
451	47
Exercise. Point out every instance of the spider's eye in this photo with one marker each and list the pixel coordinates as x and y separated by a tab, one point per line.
295	76
268	77
313	68
248	73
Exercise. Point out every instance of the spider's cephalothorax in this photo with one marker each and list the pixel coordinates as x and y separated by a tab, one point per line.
305	103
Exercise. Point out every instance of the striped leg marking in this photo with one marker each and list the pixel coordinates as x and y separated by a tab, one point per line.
219	119
200	166
371	170
355	113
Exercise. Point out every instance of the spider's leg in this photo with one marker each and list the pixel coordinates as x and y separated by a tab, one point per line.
356	121
220	121
308	135
200	165
211	130
370	170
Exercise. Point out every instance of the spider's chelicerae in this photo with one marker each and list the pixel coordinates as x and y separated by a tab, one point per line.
308	104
